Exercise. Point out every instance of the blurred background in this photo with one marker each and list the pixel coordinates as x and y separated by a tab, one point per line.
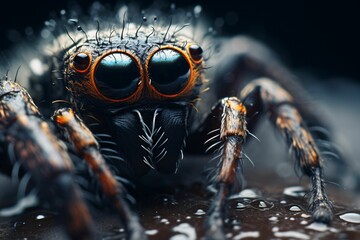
321	36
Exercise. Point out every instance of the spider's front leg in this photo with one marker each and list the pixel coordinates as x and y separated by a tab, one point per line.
230	115
87	148
265	95
32	145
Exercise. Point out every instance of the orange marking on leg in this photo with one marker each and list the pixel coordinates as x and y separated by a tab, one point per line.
237	106
64	117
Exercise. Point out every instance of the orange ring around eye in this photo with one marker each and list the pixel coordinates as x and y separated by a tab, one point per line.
192	77
96	91
88	65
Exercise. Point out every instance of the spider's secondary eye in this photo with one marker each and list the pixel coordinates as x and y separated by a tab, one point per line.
117	76
81	62
196	52
169	71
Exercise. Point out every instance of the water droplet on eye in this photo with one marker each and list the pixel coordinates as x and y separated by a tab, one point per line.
199	212
350	217
261	205
295	191
295	209
38	217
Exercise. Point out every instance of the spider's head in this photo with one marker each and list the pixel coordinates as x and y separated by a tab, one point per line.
141	89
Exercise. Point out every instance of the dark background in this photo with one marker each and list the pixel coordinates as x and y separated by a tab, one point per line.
321	37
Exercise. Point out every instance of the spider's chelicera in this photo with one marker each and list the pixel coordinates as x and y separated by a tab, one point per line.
132	95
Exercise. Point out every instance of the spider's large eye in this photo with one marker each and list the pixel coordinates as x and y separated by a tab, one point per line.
117	76
169	71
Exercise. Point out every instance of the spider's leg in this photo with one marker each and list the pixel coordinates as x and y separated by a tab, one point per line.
39	152
87	147
264	95
230	115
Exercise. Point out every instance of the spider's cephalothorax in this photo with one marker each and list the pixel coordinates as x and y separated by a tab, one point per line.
141	87
131	93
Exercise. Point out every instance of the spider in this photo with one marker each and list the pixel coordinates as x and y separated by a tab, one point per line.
128	97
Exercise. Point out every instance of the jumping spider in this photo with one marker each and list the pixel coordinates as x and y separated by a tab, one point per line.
134	94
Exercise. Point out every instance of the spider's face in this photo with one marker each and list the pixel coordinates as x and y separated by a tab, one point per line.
142	89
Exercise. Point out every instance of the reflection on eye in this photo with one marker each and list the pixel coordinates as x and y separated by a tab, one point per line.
81	62
117	76
169	71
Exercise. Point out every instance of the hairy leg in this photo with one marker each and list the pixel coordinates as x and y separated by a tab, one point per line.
32	144
264	95
225	129
87	147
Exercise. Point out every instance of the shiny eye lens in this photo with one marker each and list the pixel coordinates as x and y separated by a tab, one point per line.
117	76
81	62
196	52
169	71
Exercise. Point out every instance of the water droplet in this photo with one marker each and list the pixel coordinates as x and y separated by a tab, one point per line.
320	227
292	234
295	191
261	205
151	232
188	217
304	215
200	212
246	193
240	205
186	230
292	219
165	221
350	217
295	209
275	229
303	222
273	219
283	202
242	235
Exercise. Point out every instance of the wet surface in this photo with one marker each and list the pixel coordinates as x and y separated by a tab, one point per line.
272	206
275	210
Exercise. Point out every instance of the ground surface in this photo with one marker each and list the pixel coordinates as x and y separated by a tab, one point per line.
271	207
